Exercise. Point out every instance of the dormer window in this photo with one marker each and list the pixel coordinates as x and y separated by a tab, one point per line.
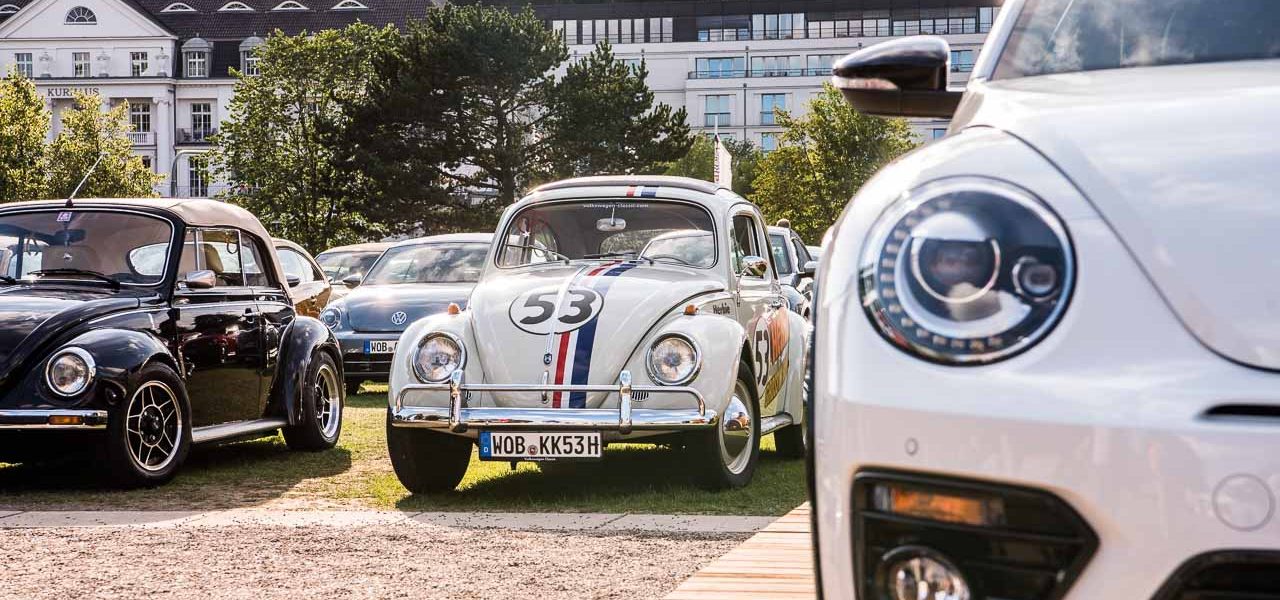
8	9
178	7
350	5
235	7
289	5
195	57
249	55
81	16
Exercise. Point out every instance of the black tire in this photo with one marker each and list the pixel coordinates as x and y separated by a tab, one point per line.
149	434
790	441
718	467
353	387
321	403
427	461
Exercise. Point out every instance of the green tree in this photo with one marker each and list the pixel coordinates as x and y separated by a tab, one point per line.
280	148
699	162
89	133
822	159
24	122
603	120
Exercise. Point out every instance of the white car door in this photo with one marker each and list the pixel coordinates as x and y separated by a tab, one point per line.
760	308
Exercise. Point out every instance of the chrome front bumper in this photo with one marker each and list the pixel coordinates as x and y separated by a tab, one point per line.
458	417
53	419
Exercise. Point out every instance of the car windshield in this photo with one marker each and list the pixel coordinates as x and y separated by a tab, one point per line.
340	265
670	232
1064	36
90	245
429	263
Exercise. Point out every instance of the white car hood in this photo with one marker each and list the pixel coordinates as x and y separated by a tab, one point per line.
634	297
1184	163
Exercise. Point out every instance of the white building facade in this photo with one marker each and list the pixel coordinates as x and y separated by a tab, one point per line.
728	63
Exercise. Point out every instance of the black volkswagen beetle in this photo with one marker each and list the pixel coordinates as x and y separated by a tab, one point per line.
133	329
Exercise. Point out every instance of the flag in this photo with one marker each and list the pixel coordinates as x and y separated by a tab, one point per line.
723	168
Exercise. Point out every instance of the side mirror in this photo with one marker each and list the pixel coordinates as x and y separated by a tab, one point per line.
200	280
352	280
809	269
899	78
292	280
754	266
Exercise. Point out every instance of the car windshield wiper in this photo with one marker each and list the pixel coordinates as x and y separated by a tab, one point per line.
609	255
69	271
566	259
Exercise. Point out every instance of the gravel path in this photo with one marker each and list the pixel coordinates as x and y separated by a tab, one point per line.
371	561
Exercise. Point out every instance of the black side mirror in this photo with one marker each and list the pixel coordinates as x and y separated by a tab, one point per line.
899	78
292	280
352	280
809	269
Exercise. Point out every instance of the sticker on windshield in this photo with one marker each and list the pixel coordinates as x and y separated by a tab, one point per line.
535	311
64	217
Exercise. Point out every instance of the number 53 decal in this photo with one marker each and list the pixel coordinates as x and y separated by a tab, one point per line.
535	311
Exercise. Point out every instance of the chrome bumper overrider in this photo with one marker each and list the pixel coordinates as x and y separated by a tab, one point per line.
625	419
53	419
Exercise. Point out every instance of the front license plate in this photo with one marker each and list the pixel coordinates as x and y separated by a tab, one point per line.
539	446
380	346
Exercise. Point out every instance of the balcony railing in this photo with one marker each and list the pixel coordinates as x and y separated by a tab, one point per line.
196	136
751	73
142	138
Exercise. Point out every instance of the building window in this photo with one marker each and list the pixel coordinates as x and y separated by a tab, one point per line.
720	67
987	16
140	117
201	121
80	64
726	28
178	7
81	16
821	64
138	64
8	9
249	63
633	63
937	133
197	64
235	7
768	142
146	161
197	178
716	109
350	5
783	26
775	66
290	5
769	102
23	62
660	29
961	61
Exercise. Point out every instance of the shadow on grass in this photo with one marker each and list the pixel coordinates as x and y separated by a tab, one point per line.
635	479
235	475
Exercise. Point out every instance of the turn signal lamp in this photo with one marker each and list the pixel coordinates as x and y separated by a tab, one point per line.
690	309
66	420
454	308
938	506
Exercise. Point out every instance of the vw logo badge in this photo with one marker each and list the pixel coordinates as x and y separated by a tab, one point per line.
546	358
398	317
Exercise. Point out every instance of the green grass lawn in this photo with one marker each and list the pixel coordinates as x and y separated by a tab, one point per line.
357	474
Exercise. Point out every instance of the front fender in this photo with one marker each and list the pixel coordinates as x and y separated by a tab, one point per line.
298	346
118	354
402	374
718	338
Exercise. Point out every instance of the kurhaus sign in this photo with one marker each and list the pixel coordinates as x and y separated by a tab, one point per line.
68	92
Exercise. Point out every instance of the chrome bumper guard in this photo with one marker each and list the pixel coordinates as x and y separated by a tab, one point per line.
53	419
458	417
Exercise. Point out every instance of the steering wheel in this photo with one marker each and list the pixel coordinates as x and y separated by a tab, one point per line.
672	257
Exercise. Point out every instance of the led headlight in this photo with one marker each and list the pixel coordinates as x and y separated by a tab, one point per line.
966	271
331	317
673	360
70	372
438	355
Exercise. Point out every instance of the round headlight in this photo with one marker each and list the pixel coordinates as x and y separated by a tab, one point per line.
915	573
673	360
438	355
331	317
70	372
966	271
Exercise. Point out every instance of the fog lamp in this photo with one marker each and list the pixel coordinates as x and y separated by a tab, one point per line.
938	506
915	573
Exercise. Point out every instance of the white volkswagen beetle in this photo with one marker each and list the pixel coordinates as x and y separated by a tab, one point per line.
1048	345
610	309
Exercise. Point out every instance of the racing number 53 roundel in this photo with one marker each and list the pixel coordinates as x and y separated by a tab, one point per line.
535	311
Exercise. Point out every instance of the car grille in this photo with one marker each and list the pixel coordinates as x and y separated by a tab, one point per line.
1226	575
1036	552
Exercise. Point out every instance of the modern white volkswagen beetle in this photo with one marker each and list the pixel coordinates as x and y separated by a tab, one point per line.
610	309
1048	345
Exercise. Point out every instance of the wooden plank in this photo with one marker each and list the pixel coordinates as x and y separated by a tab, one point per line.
775	564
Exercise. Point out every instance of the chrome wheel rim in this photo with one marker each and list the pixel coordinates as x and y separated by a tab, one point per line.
153	426
328	401
737	431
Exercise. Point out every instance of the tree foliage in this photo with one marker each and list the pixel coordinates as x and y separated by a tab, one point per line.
281	147
822	159
88	132
24	122
699	162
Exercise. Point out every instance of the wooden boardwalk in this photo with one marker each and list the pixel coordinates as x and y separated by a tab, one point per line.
775	564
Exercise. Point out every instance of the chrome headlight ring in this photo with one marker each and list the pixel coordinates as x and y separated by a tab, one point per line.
81	360
416	365
966	271
693	372
331	316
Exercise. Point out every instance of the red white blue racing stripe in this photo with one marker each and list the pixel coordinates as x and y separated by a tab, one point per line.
573	349
642	191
